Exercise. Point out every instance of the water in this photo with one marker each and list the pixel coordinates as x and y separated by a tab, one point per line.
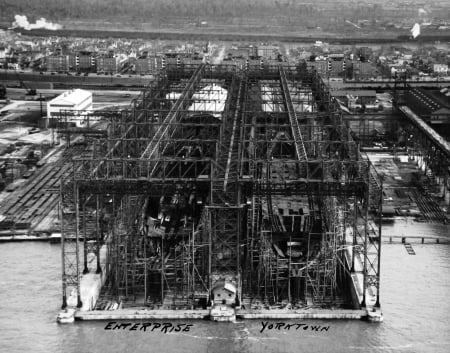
415	292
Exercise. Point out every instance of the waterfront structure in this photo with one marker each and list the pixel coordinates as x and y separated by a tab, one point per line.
244	183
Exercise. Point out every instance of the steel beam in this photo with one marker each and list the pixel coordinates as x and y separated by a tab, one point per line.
296	132
174	114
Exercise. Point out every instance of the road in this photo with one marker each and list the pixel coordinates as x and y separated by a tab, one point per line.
30	77
385	84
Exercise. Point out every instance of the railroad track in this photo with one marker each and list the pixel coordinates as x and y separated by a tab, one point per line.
27	207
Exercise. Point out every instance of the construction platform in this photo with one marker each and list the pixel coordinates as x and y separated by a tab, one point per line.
237	193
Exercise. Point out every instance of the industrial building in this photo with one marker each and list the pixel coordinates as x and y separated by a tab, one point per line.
353	97
433	106
224	188
69	104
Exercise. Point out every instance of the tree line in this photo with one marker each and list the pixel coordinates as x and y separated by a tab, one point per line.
221	11
145	10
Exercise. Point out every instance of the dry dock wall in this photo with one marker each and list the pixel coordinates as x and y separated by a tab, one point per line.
130	314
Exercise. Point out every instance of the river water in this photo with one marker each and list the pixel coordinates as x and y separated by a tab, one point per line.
415	292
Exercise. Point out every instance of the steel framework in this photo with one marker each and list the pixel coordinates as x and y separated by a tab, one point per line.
214	173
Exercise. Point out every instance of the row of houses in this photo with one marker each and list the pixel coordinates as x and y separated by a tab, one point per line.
266	51
110	63
149	64
341	67
63	54
85	61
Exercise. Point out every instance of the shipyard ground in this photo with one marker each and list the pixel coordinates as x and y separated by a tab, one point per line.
30	190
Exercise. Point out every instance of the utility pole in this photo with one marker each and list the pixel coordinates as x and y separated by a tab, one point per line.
40	101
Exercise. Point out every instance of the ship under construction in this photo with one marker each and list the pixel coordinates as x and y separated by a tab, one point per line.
238	191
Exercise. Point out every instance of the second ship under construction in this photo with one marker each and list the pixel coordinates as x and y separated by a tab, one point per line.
240	192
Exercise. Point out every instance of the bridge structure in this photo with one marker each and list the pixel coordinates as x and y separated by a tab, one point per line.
218	175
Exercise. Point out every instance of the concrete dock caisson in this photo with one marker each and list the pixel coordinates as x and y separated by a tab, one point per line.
143	314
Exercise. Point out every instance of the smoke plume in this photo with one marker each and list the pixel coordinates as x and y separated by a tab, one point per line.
22	22
415	31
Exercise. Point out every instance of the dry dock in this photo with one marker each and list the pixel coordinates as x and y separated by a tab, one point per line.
224	192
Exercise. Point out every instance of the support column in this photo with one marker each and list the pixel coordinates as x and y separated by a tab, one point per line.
366	217
85	241
162	269
377	303
355	230
63	259
77	244
98	234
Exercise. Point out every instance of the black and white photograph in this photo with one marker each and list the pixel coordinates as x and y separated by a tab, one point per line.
217	176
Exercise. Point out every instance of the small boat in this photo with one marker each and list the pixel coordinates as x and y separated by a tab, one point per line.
66	316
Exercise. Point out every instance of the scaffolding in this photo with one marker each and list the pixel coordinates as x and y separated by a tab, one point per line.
214	173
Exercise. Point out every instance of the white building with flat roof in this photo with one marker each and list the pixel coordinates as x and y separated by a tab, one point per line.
77	100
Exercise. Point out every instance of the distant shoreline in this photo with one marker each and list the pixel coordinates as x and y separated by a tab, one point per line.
201	35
